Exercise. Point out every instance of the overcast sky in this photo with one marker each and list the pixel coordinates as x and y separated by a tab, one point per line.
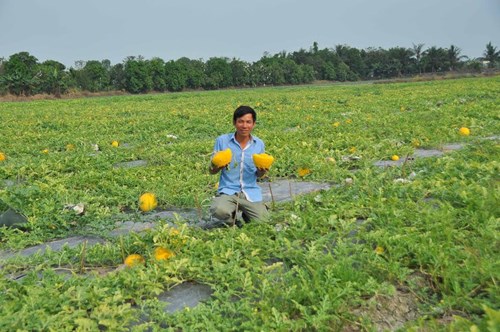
70	30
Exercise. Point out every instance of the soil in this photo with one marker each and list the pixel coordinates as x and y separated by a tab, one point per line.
386	313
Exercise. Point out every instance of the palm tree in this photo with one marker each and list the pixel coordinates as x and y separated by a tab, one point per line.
435	58
400	59
454	56
491	54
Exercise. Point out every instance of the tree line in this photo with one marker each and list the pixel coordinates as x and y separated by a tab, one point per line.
22	74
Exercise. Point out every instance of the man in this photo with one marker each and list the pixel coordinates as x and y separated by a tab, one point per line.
238	188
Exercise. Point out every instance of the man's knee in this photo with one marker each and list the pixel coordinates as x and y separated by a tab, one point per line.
257	211
263	213
221	212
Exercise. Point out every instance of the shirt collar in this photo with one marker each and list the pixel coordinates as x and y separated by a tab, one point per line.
233	137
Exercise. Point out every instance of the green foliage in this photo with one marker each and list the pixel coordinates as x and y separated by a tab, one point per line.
240	72
435	59
20	74
175	76
218	74
492	55
117	76
157	70
137	75
195	72
53	78
23	75
93	77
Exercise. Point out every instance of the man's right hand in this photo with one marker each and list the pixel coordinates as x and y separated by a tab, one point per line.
214	169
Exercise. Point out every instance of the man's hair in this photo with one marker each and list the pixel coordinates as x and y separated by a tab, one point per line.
242	110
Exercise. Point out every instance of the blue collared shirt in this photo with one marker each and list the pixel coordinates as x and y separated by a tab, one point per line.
241	175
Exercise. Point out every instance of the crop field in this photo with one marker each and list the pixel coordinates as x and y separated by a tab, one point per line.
412	247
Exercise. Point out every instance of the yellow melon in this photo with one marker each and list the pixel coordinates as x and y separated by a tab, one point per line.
147	202
222	158
161	253
263	160
379	250
2	156
464	131
303	172
134	259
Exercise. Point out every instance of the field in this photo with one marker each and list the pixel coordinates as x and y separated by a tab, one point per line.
428	236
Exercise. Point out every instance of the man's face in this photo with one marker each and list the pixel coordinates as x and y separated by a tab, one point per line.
244	125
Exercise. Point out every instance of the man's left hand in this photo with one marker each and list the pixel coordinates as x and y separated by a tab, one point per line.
261	172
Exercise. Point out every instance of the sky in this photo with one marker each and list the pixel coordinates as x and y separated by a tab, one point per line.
69	30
